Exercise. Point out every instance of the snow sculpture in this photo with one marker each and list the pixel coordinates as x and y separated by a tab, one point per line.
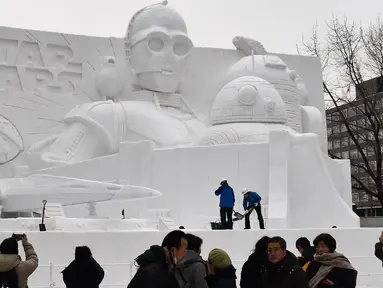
157	47
246	110
26	194
111	79
11	143
289	84
263	112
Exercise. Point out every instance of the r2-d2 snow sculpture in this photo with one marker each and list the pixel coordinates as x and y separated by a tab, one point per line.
246	110
272	69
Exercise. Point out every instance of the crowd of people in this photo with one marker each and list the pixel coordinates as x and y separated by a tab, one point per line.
177	263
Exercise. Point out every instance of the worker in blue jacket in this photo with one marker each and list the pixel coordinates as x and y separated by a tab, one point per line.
252	201
226	204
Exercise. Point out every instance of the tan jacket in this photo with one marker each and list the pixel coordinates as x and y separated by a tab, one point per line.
23	268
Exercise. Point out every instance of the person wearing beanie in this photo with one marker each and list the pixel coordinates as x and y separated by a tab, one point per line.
252	201
83	271
226	203
11	263
220	269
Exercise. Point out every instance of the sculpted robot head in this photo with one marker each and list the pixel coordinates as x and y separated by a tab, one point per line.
157	47
248	99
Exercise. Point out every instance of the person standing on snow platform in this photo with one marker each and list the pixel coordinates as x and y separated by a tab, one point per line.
252	201
226	204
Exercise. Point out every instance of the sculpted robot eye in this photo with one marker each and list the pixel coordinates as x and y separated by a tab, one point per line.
247	95
156	44
180	49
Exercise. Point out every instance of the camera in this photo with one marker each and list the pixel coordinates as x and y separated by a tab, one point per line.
17	237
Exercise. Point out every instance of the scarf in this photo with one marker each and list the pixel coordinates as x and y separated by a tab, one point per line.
329	261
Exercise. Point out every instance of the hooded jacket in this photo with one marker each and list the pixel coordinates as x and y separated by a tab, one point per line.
153	271
83	271
192	269
226	193
286	274
223	278
23	268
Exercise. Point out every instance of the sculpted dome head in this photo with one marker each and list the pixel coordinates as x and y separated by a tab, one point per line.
157	47
158	15
248	99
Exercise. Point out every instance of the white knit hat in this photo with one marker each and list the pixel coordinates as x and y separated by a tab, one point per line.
223	180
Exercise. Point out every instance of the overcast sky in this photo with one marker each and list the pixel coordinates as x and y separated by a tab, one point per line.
278	24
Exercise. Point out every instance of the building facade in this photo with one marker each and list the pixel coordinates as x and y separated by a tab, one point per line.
342	142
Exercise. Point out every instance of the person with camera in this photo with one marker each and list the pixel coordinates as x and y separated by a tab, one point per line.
14	272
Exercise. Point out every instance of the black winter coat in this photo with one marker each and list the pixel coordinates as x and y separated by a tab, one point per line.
342	278
86	273
223	278
253	269
286	274
307	255
153	271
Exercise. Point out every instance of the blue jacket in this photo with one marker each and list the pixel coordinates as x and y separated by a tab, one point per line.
227	199
251	200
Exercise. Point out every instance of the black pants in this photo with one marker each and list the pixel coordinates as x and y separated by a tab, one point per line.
226	213
259	214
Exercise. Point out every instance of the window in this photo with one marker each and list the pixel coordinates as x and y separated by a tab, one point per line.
361	123
373	165
354	170
337	155
370	151
337	143
329	130
351	112
362	138
343	128
335	117
370	135
335	129
329	145
345	155
344	112
345	142
354	154
355	197
363	196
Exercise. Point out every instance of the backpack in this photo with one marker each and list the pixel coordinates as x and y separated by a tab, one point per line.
9	279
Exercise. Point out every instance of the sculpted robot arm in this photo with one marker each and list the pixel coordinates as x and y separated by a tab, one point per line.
85	137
